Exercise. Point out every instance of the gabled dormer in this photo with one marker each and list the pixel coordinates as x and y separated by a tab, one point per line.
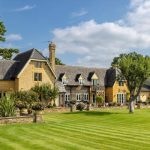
94	78
63	78
80	79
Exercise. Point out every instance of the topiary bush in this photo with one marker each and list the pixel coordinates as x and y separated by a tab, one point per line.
7	108
80	106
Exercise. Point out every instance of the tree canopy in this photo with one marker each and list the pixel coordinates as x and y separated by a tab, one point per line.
135	68
58	61
6	53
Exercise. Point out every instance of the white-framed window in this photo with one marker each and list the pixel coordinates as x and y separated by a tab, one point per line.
86	97
94	82
80	81
78	96
67	97
37	76
121	98
64	81
121	83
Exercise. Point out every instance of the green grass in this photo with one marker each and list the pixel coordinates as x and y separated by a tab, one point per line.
102	130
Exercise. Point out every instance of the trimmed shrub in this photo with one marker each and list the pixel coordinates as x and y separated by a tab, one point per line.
80	106
7	108
100	99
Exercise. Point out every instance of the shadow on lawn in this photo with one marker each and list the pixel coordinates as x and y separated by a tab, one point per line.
92	113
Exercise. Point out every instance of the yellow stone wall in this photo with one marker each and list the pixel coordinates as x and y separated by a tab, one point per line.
7	85
144	96
26	79
111	92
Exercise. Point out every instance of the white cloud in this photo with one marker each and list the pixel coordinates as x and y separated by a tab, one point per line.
97	43
13	37
80	13
26	7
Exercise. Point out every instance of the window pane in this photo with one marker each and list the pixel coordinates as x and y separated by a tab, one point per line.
37	76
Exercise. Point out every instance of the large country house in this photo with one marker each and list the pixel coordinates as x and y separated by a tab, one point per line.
24	71
74	82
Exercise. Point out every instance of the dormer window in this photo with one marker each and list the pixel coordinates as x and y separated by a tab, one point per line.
80	81
38	64
94	82
64	79
94	79
121	83
79	78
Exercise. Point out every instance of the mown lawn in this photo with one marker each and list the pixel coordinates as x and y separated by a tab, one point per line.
102	130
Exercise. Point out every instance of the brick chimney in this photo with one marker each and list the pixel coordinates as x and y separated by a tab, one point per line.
52	48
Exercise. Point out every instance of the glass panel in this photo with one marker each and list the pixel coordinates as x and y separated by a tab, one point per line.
37	76
38	64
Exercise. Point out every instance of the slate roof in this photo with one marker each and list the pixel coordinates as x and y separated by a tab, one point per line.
72	72
25	56
9	69
111	75
146	86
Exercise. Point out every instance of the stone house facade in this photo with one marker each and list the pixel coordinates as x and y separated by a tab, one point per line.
79	83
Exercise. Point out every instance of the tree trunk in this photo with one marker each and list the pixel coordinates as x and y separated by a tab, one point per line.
131	106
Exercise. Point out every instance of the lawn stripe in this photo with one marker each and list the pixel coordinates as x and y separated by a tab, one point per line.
108	133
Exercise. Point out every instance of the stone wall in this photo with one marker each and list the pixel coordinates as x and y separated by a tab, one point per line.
20	119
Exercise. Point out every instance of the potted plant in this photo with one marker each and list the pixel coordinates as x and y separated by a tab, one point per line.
38	111
80	106
38	108
22	107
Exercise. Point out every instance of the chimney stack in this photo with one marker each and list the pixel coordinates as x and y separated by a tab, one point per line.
52	48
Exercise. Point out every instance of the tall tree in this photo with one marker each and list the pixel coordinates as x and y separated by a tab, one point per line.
6	53
135	68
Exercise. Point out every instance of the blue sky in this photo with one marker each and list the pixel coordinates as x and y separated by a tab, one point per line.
81	29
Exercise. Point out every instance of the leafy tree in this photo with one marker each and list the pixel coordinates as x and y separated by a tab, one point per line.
42	91
135	68
100	100
54	93
24	99
45	92
6	53
58	61
2	31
